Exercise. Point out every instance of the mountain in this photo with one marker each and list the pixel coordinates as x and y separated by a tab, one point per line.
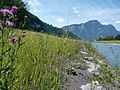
91	30
38	25
34	23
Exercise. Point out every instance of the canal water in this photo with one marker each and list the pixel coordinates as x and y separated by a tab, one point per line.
110	51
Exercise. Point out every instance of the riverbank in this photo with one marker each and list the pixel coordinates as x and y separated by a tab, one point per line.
113	42
97	74
47	62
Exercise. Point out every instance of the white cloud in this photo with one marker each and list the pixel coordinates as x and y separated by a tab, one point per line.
76	11
116	20
60	20
33	5
103	12
34	2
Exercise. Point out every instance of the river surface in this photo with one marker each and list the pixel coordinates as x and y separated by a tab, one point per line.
110	51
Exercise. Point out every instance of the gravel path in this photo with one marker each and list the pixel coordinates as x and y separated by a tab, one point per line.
80	79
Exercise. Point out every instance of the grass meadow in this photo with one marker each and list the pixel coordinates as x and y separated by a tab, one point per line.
41	59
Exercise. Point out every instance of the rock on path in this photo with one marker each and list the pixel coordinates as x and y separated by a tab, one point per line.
80	80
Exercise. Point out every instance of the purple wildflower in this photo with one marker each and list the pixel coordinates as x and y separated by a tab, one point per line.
13	39
9	24
6	11
14	9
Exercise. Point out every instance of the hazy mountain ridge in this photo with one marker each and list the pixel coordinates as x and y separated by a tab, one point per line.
91	30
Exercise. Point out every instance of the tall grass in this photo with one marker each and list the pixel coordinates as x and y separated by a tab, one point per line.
41	60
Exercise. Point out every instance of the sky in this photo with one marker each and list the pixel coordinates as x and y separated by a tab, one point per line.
65	12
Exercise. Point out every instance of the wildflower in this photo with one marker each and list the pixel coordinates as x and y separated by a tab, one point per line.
9	24
14	9
68	53
19	40
16	80
25	24
6	12
16	18
95	82
23	34
25	18
72	68
13	39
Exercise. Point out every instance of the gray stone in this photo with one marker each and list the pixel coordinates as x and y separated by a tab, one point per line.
84	53
88	58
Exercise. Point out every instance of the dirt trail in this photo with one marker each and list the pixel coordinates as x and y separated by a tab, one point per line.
79	79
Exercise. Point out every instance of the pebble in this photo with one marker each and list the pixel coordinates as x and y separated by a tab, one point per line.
92	67
84	53
89	86
88	58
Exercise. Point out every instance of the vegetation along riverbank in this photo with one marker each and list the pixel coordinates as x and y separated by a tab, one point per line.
50	63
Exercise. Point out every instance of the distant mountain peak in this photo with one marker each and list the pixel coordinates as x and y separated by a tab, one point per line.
91	30
93	21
